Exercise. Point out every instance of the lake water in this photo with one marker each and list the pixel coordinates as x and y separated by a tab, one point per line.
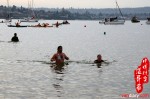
26	73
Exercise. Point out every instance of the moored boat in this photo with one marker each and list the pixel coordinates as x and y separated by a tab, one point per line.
135	20
41	25
29	19
31	15
148	21
65	22
114	20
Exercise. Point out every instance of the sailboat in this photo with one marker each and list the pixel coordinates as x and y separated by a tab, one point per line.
113	20
31	18
8	18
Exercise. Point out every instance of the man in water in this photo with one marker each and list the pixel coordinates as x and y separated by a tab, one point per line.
99	59
15	38
59	57
17	24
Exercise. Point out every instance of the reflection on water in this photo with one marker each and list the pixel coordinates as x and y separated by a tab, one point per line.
59	72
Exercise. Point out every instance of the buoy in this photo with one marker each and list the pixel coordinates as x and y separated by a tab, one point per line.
104	33
84	25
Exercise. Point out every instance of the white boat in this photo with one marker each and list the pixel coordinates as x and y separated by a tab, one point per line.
102	21
113	20
32	17
108	21
29	19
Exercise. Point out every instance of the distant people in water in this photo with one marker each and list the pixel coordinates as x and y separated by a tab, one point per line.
104	33
15	38
57	24
17	24
59	57
39	25
99	59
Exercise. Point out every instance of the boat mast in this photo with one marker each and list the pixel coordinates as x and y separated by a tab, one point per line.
32	8
8	17
119	10
28	8
8	3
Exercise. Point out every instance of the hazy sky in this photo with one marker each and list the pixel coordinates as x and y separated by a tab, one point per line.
79	3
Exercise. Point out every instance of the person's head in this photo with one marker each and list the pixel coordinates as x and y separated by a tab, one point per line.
59	49
15	34
99	57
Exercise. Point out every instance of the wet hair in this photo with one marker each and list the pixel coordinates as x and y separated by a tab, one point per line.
59	47
99	55
15	34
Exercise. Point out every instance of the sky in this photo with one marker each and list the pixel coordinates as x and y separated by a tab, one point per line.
79	3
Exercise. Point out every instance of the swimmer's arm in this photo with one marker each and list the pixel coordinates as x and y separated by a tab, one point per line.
102	60
66	57
105	61
53	58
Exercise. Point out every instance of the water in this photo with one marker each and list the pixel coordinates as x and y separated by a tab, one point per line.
26	73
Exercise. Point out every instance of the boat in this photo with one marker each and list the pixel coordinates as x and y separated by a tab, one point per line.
135	20
102	21
8	19
2	21
148	21
65	22
17	26
113	20
31	18
39	25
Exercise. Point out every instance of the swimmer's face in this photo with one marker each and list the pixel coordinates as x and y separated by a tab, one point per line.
99	57
60	50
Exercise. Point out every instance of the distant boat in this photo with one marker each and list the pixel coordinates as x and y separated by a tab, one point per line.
65	22
113	20
135	20
148	21
39	25
2	21
32	18
17	26
29	19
